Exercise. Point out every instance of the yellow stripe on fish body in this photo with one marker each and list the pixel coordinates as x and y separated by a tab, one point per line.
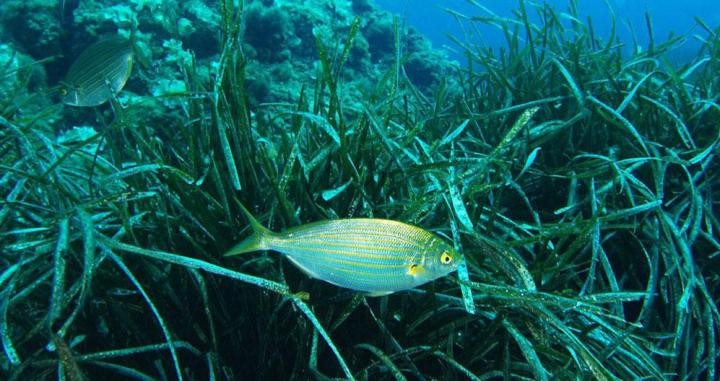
365	254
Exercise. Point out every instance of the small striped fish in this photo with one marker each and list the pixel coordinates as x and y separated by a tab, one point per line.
100	72
365	254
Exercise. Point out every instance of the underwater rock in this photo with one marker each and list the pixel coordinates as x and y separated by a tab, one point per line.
278	33
380	34
259	84
94	18
66	8
185	27
279	40
424	66
202	33
361	6
268	31
34	25
9	62
360	57
167	86
21	77
175	54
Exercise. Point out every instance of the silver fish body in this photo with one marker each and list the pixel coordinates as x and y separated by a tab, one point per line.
372	255
98	73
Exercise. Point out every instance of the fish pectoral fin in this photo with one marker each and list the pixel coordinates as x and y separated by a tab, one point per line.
302	295
415	269
378	293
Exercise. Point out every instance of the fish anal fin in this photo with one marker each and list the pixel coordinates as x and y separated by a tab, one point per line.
378	293
302	267
253	243
302	295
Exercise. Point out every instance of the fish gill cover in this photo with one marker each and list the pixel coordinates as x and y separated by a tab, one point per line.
575	178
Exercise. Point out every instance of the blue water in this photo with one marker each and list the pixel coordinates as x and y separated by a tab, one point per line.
668	16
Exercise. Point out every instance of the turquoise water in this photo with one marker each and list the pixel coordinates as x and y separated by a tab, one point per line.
668	16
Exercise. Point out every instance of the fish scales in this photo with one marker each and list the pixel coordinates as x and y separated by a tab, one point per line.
354	253
373	255
373	235
111	75
94	71
100	71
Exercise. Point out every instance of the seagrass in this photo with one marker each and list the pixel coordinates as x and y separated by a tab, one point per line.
589	231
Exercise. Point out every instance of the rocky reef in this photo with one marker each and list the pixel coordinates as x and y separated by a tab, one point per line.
280	41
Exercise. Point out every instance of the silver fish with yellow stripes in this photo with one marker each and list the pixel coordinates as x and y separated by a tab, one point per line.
366	254
99	73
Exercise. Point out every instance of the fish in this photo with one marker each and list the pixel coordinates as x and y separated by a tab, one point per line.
98	73
371	255
66	9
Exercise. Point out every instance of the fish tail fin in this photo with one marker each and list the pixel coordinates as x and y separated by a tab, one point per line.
260	240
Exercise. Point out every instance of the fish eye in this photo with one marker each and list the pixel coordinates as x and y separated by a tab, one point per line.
445	258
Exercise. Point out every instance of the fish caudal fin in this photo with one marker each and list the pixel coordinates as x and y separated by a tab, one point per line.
260	240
